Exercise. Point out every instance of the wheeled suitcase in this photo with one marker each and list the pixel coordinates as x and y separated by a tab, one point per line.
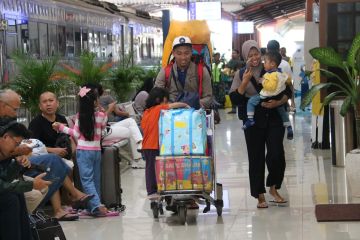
110	178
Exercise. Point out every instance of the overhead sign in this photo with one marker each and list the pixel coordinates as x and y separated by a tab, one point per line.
244	27
205	10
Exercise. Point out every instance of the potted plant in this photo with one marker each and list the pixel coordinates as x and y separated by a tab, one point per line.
349	89
33	78
89	71
125	79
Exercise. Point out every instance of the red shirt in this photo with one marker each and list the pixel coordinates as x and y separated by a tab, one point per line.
150	126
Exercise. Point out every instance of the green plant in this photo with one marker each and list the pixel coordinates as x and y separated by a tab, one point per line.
89	71
34	77
125	79
348	87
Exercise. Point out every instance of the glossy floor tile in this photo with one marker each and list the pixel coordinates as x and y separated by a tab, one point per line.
309	179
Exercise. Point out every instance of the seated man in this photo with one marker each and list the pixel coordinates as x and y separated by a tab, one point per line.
14	221
115	114
9	104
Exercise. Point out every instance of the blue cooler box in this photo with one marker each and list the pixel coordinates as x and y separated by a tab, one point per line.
182	132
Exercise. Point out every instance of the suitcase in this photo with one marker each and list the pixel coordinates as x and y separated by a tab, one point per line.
110	178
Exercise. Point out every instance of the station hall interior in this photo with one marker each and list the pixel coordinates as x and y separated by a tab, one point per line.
125	37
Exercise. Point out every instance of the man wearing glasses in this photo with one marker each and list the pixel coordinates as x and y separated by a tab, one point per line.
14	222
58	175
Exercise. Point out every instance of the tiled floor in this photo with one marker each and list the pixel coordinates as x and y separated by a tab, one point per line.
309	179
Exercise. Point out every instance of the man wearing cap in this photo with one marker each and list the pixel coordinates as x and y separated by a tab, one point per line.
184	75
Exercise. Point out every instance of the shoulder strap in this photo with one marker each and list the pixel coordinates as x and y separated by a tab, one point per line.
255	84
200	77
168	69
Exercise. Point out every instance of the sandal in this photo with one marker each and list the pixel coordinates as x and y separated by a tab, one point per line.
82	202
107	214
68	217
262	205
280	201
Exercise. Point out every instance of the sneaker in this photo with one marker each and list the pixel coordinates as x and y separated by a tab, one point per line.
290	133
249	123
138	164
139	146
153	196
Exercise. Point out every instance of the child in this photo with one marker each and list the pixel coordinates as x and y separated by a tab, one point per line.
89	124
273	84
156	101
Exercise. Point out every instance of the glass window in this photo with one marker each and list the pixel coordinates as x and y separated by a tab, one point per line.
34	39
357	6
357	24
77	41
53	43
85	41
103	44
70	48
109	50
345	7
61	39
11	26
11	45
23	36
345	32
43	40
96	39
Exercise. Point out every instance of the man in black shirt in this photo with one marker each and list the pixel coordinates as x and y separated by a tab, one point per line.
41	125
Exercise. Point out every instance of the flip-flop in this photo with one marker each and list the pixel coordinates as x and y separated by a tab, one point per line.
82	202
262	205
68	217
107	214
278	202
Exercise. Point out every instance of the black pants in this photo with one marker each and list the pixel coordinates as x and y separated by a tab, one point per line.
256	141
150	177
14	219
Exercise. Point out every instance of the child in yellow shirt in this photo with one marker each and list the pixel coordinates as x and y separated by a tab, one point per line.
274	83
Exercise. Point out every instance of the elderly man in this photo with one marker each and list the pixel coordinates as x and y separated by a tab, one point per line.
184	75
14	221
9	104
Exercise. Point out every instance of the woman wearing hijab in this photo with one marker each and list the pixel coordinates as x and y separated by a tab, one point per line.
267	133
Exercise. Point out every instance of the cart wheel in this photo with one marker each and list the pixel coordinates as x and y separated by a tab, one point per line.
219	210
161	209
155	209
182	214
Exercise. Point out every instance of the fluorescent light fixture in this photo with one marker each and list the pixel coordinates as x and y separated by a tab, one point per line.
244	27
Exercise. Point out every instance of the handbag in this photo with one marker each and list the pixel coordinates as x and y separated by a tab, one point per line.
63	141
44	227
190	98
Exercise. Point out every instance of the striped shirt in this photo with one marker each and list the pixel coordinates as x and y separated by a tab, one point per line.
82	143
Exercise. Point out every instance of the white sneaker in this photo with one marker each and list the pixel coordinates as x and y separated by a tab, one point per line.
139	146
138	164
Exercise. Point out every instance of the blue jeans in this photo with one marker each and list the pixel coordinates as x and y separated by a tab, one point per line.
89	163
58	171
255	100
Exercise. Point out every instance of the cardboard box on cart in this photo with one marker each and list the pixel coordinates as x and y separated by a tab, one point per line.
184	173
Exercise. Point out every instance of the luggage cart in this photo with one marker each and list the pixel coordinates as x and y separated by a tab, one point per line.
180	201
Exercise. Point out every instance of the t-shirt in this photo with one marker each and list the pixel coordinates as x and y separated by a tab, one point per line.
150	126
41	129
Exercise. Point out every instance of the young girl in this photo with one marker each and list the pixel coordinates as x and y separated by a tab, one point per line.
156	101
88	127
